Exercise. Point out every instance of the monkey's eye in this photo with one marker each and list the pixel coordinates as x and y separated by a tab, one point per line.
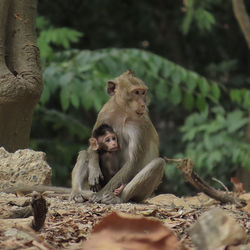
137	92
113	138
107	140
143	92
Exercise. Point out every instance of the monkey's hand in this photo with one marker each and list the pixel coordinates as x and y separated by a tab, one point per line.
95	177
106	198
77	197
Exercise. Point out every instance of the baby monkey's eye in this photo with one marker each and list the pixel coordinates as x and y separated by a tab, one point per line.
107	140
113	138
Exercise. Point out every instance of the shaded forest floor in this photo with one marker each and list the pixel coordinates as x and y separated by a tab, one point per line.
69	224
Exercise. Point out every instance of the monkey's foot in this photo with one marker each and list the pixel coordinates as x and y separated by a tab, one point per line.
78	198
118	190
106	198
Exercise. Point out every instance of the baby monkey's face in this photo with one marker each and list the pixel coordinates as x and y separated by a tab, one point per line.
108	142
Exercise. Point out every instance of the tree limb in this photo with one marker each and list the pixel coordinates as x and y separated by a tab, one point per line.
242	18
186	168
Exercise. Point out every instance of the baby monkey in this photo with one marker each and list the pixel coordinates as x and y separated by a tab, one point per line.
105	142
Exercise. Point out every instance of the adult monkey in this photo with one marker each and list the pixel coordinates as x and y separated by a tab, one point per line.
141	168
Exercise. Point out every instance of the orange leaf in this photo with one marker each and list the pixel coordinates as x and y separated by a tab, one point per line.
122	231
238	186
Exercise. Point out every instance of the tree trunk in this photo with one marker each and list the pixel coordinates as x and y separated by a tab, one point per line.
20	72
244	23
242	18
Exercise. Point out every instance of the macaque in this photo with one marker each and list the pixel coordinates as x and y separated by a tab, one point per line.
105	142
140	167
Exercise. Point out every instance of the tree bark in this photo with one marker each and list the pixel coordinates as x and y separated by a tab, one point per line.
242	18
20	72
244	23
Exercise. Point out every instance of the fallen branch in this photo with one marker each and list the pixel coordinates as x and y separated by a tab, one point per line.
186	168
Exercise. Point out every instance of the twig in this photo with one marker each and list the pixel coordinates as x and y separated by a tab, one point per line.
173	160
221	183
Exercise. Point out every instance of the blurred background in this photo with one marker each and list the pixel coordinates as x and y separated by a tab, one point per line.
191	54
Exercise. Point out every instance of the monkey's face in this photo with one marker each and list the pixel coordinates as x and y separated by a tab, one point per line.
108	142
130	93
137	101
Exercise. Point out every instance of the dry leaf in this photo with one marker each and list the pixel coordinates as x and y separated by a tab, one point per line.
238	186
118	232
168	200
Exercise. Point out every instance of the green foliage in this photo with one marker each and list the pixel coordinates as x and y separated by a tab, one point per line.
50	36
76	81
74	89
80	77
241	97
215	143
197	14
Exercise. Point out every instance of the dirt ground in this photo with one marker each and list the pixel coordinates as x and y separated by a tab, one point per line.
68	224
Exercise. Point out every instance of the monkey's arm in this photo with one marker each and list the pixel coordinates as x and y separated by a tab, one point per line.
95	174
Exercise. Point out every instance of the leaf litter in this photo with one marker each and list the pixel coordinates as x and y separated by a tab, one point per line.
162	222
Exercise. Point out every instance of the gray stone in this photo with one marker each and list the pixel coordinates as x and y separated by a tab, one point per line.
216	228
24	167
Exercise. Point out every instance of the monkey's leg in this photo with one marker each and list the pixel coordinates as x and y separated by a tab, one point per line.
79	176
145	182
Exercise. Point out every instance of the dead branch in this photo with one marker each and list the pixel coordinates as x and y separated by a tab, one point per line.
221	183
39	210
186	168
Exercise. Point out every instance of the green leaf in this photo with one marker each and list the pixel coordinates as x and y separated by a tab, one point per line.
66	78
188	17
205	20
188	101
203	86
215	91
161	90
175	95
45	95
64	97
175	76
86	100
201	103
191	81
235	95
74	98
246	101
167	68
235	121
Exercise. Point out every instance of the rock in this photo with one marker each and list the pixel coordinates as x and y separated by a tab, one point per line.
216	228
24	167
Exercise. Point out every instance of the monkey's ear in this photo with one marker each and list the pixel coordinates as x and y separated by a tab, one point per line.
93	143
111	88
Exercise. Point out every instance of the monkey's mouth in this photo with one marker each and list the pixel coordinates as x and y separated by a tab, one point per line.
140	113
113	149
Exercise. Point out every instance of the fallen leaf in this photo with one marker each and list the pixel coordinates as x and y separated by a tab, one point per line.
120	231
238	186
